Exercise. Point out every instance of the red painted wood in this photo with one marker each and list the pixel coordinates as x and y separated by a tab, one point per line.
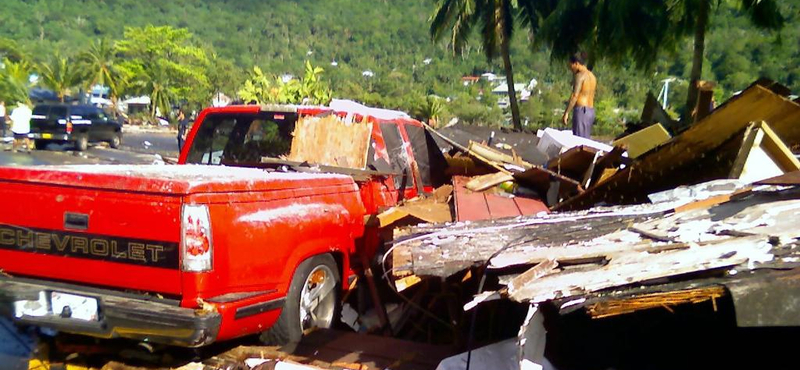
528	206
469	206
500	206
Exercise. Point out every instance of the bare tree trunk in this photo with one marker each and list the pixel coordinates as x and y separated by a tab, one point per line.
512	94
697	59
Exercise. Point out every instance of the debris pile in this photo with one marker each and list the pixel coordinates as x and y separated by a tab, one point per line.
663	217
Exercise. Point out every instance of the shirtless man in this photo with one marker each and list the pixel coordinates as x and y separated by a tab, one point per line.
581	103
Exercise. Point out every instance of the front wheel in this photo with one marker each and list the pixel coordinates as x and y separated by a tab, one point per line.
312	301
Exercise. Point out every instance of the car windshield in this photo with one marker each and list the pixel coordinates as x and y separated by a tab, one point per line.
241	138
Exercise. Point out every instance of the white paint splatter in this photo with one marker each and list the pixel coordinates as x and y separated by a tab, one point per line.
295	211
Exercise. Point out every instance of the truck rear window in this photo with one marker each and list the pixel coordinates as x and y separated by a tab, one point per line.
241	138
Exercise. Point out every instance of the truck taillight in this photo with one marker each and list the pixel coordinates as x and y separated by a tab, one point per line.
69	127
197	246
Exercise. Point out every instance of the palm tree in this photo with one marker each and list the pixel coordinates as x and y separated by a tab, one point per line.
61	75
624	31
430	109
15	84
695	14
496	20
9	49
99	62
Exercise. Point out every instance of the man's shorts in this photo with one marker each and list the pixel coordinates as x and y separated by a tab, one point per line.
582	121
20	136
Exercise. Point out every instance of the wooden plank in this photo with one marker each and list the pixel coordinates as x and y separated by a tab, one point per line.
574	162
787	179
530	206
669	165
481	183
644	140
635	267
425	210
493	155
712	201
654	113
500	206
469	206
538	178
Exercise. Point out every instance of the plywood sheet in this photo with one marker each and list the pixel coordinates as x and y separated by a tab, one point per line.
644	140
331	141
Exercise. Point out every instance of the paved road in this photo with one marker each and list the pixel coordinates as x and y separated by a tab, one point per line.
137	148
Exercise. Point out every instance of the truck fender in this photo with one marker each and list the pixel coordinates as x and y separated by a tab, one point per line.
338	247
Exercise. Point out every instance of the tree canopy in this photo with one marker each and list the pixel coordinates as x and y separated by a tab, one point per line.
390	39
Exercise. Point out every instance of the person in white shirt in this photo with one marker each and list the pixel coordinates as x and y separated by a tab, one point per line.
21	126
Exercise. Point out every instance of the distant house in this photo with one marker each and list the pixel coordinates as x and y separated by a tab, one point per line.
488	76
136	104
469	80
502	91
520	88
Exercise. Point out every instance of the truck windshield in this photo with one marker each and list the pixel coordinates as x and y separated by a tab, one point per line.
241	138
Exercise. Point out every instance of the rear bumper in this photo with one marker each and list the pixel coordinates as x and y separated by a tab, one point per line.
119	316
49	136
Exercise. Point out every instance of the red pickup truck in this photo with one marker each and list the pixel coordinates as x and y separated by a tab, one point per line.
191	254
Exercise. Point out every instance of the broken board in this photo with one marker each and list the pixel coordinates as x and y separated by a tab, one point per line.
763	155
483	182
644	140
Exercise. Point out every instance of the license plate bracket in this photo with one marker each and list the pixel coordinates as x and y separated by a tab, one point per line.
74	306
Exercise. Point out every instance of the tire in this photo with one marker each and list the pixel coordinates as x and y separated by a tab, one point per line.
290	327
115	141
40	144
82	143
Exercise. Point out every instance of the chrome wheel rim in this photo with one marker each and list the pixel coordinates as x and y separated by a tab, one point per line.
318	299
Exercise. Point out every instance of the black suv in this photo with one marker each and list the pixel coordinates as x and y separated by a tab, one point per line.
78	124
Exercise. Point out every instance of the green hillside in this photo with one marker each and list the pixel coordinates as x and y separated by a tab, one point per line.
390	38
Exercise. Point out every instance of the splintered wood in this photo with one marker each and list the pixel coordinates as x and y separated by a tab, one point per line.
664	300
582	253
331	141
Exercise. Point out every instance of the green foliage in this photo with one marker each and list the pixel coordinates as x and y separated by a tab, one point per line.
468	109
15	82
429	109
310	90
164	63
392	39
